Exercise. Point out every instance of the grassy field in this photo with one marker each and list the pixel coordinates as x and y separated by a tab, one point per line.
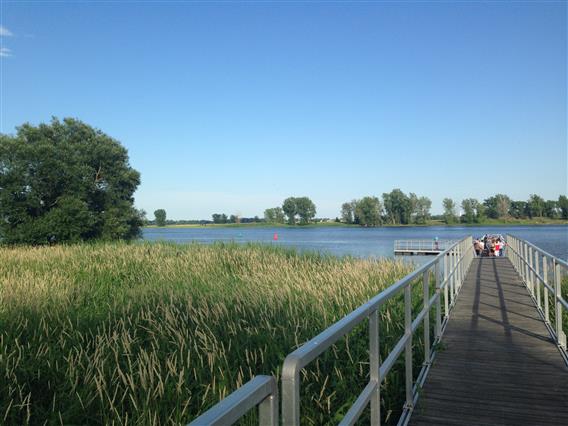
157	333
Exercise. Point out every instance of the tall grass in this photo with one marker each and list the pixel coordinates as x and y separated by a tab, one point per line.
157	333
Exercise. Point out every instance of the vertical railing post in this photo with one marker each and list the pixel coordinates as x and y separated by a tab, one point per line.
408	348
527	277
438	301
446	287
452	277
546	296
426	291
531	273
558	290
375	367
291	400
536	279
268	410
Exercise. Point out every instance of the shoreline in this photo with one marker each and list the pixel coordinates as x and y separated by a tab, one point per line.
346	225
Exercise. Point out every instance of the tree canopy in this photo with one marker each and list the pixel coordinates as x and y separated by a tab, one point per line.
160	216
299	206
65	181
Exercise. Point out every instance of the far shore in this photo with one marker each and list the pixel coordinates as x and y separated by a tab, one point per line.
431	223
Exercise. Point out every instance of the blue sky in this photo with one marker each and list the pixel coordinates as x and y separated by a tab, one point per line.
232	107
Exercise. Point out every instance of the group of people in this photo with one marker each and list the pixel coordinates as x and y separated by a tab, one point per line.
489	245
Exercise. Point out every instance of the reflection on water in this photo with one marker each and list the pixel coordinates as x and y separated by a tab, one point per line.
361	242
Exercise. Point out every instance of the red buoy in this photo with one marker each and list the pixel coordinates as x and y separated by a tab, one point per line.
275	238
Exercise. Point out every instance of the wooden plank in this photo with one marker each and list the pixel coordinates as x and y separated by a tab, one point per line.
498	365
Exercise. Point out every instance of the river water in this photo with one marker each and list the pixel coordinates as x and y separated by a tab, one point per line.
360	242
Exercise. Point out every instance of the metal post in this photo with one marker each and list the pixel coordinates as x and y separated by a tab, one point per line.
268	410
408	348
531	273
426	289
374	367
446	295
557	286
536	279
526	266
545	276
438	301
452	278
291	400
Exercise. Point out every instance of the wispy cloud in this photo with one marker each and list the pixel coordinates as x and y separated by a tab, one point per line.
5	32
5	52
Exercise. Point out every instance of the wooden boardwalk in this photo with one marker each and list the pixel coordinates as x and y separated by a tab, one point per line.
498	364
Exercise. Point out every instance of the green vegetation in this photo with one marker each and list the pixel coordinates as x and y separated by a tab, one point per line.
160	216
302	207
157	333
65	181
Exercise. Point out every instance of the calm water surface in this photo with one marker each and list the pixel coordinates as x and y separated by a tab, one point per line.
360	242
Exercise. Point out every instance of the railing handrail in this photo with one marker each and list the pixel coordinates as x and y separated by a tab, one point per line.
302	356
423	245
545	253
261	391
534	270
313	347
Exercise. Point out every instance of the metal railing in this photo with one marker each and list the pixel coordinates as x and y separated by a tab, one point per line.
261	391
542	274
454	262
449	269
422	245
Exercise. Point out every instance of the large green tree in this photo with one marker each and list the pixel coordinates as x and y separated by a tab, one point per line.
422	210
449	211
65	181
290	209
497	206
306	209
397	207
160	216
348	211
536	206
274	215
472	210
368	211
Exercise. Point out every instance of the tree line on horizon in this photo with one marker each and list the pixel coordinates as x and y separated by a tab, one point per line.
397	208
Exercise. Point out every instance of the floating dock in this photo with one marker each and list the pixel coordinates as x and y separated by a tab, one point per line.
421	247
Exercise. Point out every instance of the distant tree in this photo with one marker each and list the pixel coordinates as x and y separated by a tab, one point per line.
65	181
422	208
497	206
233	219
563	206
518	209
449	211
551	209
306	209
274	215
397	207
468	210
368	211
348	212
472	210
219	218
160	216
413	207
535	206
290	209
